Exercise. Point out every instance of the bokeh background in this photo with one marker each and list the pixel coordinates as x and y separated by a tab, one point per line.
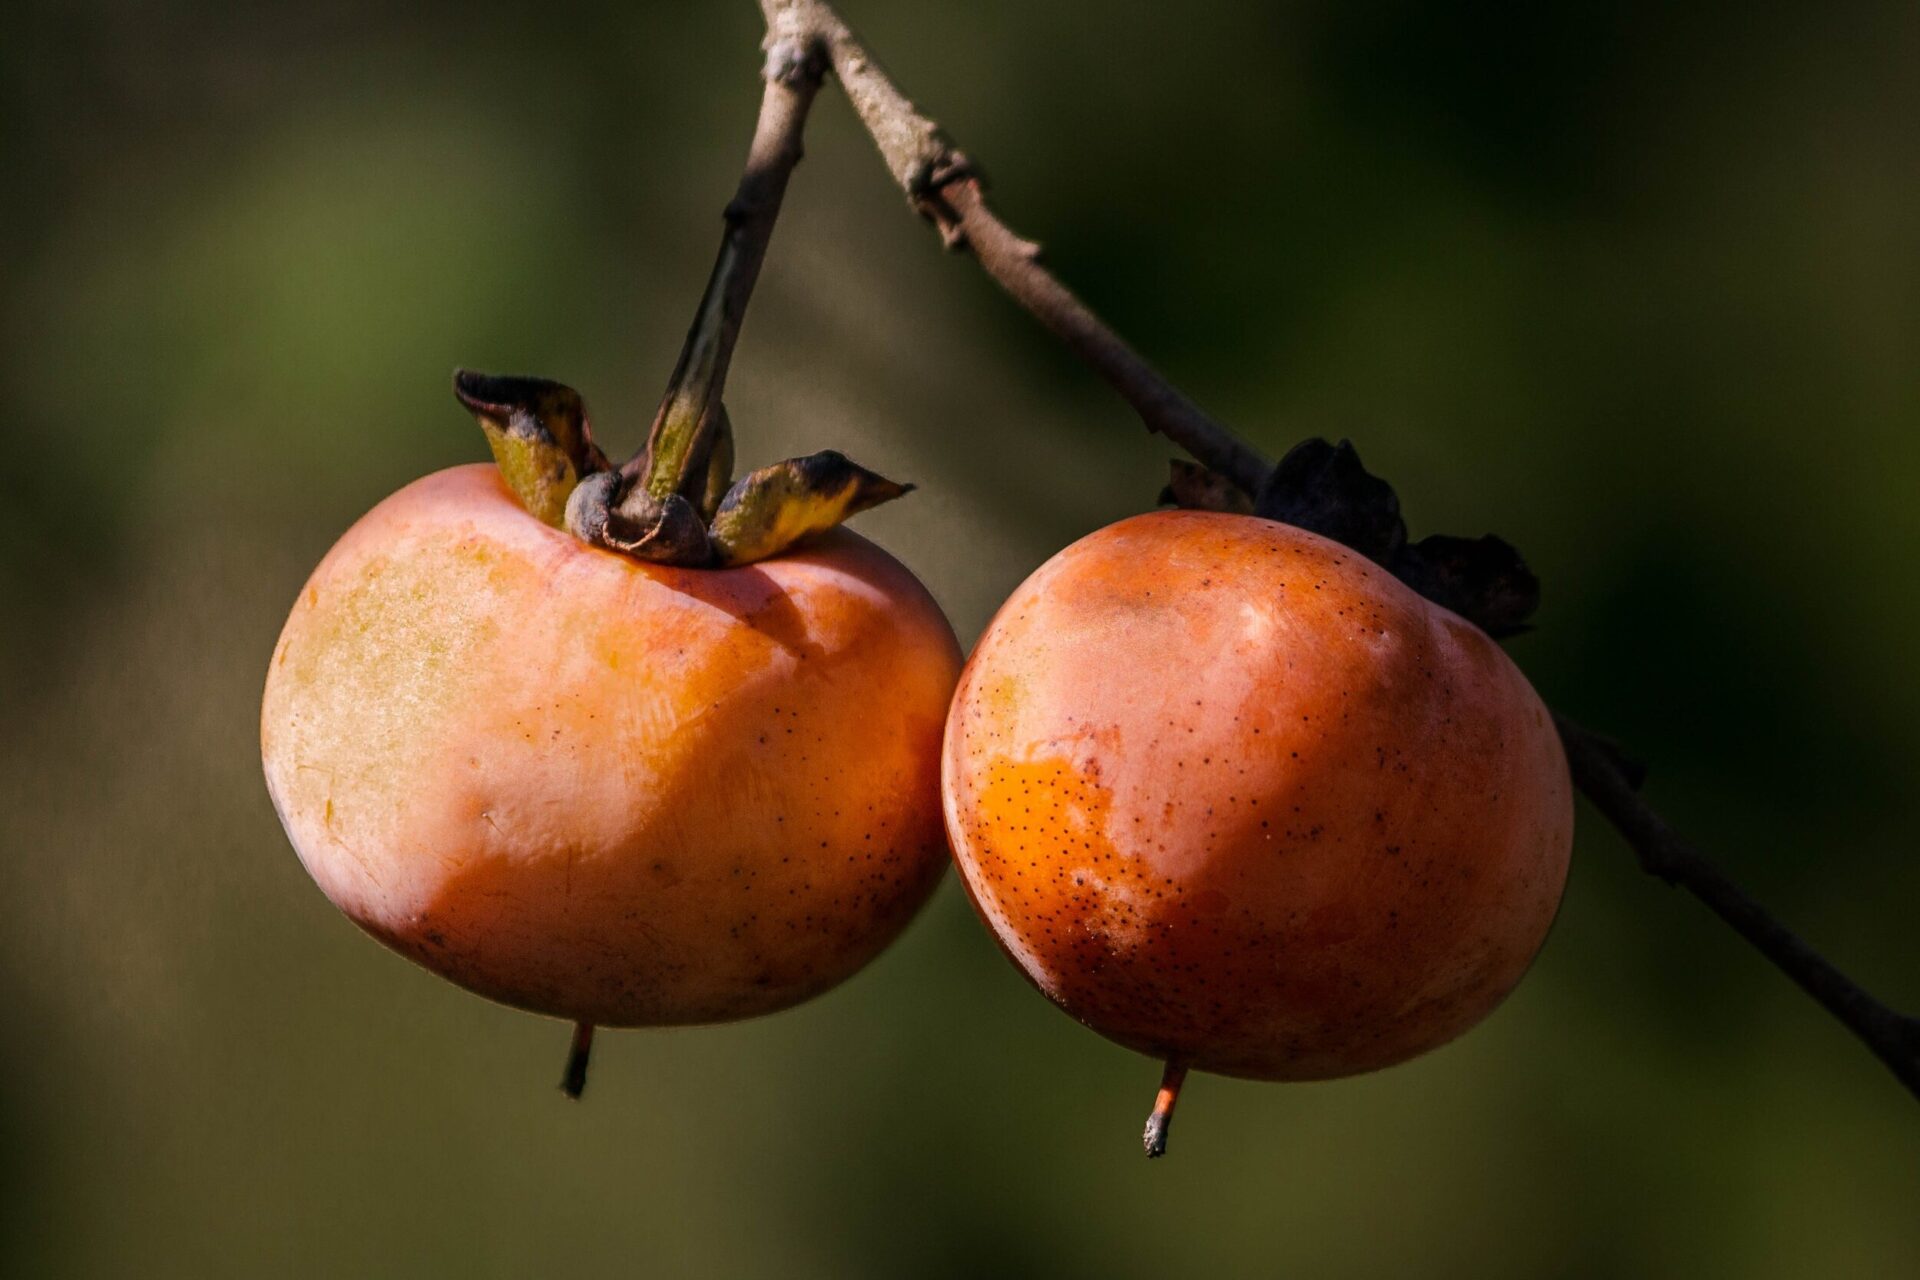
1636	285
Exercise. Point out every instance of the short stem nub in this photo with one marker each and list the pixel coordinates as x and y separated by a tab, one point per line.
1162	1118
574	1082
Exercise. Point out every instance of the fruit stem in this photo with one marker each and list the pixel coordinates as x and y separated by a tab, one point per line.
1161	1120
574	1082
683	438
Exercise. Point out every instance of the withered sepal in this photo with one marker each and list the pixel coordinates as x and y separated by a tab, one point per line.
770	509
539	434
664	531
1324	488
1193	487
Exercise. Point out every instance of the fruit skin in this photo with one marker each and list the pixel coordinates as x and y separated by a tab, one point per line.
607	790
1229	793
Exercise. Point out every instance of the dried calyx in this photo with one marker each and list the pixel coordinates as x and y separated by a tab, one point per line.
539	435
677	502
1324	489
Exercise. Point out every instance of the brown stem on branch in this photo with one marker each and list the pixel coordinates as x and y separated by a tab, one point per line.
942	186
1608	782
690	413
959	208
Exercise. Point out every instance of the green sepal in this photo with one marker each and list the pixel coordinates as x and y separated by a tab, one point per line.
775	507
540	436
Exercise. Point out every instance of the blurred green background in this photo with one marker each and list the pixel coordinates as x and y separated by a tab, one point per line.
1636	285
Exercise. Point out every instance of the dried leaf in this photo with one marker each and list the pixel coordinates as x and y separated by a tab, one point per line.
1484	580
1195	488
1323	488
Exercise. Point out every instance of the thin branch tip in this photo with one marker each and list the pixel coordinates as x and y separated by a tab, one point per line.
1607	777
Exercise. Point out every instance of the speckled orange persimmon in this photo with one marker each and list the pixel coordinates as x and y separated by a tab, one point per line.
607	790
1233	796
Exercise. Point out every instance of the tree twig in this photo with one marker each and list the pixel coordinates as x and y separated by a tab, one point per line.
1600	773
795	66
792	77
943	186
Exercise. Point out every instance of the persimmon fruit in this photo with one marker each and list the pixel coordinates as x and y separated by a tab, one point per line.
631	745
1232	795
609	790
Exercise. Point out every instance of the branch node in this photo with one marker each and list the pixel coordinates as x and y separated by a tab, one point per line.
927	188
936	171
794	59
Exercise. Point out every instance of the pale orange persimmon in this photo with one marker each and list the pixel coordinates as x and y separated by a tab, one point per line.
612	791
1232	795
